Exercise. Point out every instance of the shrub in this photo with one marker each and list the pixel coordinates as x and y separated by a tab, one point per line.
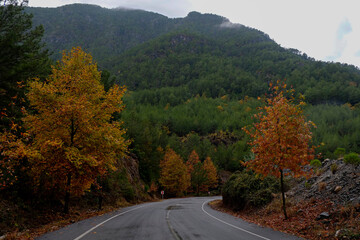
339	152
352	158
307	185
315	163
333	168
244	189
117	186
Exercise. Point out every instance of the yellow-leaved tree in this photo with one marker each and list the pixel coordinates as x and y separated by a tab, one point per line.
74	139
174	176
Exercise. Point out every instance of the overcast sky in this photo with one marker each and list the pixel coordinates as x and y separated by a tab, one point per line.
326	30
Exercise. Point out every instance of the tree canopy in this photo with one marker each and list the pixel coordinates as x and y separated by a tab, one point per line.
74	137
174	176
281	137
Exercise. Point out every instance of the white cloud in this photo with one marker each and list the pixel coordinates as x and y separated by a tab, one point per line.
230	25
178	8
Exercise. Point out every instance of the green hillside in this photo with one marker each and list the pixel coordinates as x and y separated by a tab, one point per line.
103	32
206	65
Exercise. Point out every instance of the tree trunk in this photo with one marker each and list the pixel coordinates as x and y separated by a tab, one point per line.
100	200
67	194
283	192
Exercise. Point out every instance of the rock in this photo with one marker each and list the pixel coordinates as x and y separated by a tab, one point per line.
339	232
323	215
337	189
355	201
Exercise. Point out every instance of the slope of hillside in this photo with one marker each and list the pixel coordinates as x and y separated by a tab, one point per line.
209	65
335	181
325	206
101	31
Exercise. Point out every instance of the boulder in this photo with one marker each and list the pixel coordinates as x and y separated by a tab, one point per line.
323	215
337	189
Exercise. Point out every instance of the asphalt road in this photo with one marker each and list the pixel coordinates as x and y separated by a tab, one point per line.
184	218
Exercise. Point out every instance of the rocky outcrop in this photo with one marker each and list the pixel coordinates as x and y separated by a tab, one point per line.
131	164
334	180
224	176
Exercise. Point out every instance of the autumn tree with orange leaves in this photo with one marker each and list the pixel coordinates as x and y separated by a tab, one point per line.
211	174
74	139
193	159
195	171
174	175
281	137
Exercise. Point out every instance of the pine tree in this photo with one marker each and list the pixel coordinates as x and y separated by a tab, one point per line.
22	56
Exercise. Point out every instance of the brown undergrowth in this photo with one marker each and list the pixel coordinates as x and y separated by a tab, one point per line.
303	221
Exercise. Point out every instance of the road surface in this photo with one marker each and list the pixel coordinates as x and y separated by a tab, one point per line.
179	219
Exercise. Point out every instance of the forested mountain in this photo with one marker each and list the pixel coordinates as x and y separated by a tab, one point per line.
204	52
193	81
103	32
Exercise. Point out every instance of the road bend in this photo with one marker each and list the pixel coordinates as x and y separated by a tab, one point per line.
179	219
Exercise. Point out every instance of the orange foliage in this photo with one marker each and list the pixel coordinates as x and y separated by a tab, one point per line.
281	137
192	161
211	172
74	139
153	187
196	172
203	175
174	175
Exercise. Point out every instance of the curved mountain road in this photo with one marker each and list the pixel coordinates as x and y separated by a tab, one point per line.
184	218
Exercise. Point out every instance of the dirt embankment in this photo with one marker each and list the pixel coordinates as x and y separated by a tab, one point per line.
325	206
